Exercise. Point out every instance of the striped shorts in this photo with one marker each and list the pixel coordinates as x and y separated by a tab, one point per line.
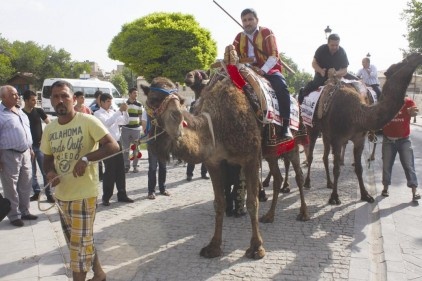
77	220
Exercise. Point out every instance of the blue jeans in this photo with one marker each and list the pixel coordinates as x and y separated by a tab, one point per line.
152	173
39	158
390	148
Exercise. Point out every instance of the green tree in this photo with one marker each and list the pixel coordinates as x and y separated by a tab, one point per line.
413	16
164	44
297	80
120	83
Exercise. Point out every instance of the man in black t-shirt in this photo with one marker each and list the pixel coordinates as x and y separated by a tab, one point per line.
327	56
35	115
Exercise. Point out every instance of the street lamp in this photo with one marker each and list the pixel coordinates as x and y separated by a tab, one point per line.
368	55
327	31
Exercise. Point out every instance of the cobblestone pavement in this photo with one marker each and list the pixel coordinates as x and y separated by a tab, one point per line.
160	239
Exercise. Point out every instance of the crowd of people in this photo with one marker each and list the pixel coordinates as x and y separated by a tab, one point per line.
100	132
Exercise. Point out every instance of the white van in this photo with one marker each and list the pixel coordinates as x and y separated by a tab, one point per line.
87	86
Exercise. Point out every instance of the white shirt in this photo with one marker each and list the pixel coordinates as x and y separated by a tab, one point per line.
112	120
369	76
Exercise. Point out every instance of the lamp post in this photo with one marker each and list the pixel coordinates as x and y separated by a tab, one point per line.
327	31
368	55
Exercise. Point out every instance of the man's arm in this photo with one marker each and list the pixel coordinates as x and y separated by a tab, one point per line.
317	68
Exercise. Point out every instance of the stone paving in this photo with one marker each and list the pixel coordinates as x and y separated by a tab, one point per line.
160	239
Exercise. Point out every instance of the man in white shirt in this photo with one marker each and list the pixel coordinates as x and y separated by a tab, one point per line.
369	76
114	166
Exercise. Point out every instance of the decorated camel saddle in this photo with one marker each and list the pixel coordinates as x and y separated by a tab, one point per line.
263	100
319	101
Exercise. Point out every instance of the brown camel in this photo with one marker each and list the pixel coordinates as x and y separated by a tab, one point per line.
347	118
225	129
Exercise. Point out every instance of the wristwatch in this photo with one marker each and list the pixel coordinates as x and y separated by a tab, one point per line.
85	159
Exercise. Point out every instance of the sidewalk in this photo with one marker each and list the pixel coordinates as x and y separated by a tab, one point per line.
160	239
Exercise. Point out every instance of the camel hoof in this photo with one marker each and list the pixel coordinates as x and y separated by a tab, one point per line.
368	198
334	201
265	183
267	219
303	217
210	252
330	185
285	190
255	254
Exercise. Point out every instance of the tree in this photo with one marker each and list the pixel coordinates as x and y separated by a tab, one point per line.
120	83
413	16
164	44
297	80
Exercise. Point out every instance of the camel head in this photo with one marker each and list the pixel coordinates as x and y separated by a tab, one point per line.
196	80
164	106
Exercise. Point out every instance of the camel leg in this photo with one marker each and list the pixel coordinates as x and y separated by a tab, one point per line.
294	158
285	188
275	171
343	149
213	249
357	153
325	160
334	199
251	172
313	135
266	182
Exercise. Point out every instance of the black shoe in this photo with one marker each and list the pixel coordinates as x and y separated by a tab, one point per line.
29	217
189	178
50	199
17	222
106	203
126	200
34	197
238	214
205	177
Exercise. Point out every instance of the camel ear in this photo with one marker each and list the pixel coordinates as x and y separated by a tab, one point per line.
203	74
145	89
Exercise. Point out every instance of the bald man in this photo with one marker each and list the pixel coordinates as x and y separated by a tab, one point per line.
15	156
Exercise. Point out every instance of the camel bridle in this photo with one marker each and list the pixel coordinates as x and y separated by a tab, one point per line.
155	112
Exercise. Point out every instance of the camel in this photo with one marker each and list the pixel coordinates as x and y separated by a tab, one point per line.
347	118
224	129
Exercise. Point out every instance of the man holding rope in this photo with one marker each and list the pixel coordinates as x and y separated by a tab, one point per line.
69	143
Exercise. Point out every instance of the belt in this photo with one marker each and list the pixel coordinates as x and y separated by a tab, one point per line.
17	151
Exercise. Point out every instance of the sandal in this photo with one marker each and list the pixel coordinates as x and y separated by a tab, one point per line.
416	197
385	193
151	196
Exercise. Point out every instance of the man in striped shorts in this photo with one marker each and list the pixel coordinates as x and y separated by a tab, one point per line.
132	131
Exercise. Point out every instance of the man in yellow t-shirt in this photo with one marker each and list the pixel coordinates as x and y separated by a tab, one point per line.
69	143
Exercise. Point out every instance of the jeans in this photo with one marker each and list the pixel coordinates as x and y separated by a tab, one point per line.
39	158
390	148
279	85
152	173
191	167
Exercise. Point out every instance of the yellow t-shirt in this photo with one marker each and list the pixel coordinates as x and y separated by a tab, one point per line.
67	143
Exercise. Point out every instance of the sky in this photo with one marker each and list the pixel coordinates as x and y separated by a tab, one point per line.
85	28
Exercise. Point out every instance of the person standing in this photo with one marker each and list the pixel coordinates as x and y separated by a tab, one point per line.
15	156
69	143
80	103
153	162
330	55
132	131
35	115
369	75
396	139
259	43
114	167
